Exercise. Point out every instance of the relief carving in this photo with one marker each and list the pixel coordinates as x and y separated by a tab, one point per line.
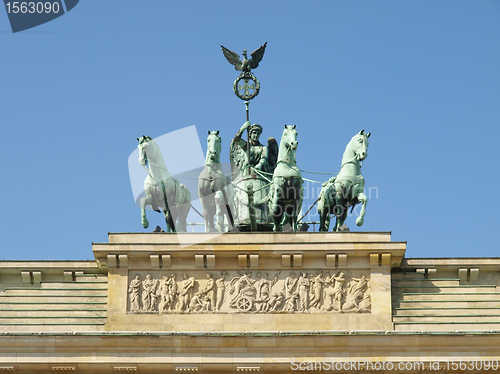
185	293
149	294
313	292
134	291
169	291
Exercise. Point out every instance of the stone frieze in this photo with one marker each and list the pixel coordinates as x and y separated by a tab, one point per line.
248	292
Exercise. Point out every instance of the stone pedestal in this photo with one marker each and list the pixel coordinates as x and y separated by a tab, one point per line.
241	282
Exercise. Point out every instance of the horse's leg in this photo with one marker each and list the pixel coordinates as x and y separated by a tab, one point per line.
362	199
327	218
338	207
275	209
297	206
229	206
183	213
219	203
324	211
341	217
322	216
145	201
208	213
168	219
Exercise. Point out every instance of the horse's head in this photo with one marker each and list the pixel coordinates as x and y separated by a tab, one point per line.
359	145
213	146
144	142
289	137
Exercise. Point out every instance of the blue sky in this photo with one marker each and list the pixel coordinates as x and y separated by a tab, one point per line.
421	76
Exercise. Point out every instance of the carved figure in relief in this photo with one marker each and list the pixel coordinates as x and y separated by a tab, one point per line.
357	296
221	289
262	300
276	301
185	292
303	288
338	281
169	292
289	285
134	290
263	287
241	285
149	295
317	283
243	290
208	291
291	303
199	303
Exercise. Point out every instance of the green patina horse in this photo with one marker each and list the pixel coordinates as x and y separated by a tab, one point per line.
286	191
346	189
214	190
161	189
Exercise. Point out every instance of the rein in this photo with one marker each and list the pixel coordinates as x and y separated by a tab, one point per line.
288	149
351	160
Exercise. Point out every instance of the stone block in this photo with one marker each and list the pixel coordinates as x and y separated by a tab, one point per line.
37	277
342	260
112	261
374	259
474	274
462	274
286	260
123	261
330	260
243	261
210	261
69	276
155	261
199	261
26	277
166	260
297	260
254	260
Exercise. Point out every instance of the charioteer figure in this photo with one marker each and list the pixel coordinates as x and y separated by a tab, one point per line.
252	163
259	153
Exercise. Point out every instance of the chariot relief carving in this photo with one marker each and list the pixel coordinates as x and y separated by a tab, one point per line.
249	292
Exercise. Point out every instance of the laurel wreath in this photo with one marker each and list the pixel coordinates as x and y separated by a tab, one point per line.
248	76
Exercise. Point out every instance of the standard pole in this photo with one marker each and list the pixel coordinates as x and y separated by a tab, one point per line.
247	103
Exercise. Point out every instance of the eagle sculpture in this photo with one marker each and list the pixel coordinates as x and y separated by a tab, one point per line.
244	65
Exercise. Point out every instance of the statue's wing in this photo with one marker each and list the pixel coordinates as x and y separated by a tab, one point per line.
257	56
238	158
232	57
272	158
